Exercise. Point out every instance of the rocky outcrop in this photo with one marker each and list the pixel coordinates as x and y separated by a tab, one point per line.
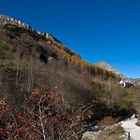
9	20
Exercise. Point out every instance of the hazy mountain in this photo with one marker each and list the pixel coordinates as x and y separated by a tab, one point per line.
136	81
108	67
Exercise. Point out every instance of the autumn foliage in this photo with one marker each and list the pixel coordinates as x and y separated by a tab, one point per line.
43	116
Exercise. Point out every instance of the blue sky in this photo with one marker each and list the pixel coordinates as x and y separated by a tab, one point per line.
99	30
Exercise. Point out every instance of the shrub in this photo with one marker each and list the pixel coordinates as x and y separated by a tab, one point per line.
43	116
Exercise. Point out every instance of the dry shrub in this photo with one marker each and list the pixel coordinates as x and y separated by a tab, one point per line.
108	120
43	116
115	133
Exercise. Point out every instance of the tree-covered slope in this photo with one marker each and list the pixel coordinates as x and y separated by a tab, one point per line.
36	65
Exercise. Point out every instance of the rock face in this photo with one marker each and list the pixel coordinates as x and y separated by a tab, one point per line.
108	67
9	20
4	20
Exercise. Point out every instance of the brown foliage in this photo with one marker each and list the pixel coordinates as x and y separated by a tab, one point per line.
43	116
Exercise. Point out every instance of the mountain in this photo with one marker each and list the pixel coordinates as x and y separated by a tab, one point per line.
136	81
5	20
25	51
27	55
108	67
38	71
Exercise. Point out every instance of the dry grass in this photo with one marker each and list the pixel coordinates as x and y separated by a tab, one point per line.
138	123
112	134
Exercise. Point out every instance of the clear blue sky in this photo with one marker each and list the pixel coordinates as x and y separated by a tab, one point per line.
99	30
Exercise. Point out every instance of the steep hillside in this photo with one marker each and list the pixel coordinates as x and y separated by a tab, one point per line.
34	63
26	53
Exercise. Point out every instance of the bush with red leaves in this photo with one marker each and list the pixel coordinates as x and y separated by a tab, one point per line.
43	116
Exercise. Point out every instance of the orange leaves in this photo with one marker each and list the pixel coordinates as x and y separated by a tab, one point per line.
73	58
42	111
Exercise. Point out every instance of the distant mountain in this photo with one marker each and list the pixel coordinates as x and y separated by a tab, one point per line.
136	81
108	67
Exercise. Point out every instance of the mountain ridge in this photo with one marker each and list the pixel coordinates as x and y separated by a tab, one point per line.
9	20
13	21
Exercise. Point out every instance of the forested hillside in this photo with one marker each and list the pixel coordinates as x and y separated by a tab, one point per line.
46	88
